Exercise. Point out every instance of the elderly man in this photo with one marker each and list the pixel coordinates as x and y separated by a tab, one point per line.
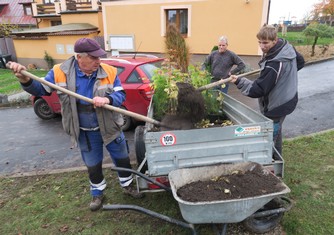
220	63
89	125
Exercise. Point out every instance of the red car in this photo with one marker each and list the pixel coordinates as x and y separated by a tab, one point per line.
135	73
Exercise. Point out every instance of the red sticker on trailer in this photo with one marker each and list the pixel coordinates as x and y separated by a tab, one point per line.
168	139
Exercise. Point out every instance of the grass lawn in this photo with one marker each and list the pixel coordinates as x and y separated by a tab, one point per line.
9	84
58	203
299	39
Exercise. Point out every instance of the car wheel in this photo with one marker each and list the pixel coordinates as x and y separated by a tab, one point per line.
127	121
43	110
266	223
140	146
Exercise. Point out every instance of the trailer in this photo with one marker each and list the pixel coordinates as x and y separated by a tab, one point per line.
170	159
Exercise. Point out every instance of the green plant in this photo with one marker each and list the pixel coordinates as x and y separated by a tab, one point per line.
177	69
49	60
166	90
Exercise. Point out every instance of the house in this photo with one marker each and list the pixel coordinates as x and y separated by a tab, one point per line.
60	24
17	12
14	14
140	26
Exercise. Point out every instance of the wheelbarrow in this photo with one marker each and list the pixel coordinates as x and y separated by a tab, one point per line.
259	213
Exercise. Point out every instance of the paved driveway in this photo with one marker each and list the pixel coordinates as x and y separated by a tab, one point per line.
29	144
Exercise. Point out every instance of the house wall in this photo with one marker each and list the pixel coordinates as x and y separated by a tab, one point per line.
35	55
209	19
44	23
144	19
92	18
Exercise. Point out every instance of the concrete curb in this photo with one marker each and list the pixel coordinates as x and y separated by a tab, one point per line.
309	135
319	61
49	172
19	96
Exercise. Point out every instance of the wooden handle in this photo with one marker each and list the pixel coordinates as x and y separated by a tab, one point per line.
106	106
226	80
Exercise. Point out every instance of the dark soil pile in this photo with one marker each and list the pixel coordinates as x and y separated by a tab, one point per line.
237	185
190	109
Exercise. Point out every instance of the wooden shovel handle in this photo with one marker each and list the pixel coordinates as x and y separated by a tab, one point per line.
106	106
226	80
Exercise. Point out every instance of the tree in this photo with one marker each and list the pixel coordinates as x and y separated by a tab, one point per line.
323	12
6	28
328	10
318	31
177	48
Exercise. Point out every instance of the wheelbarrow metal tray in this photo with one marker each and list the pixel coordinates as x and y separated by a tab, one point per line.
224	211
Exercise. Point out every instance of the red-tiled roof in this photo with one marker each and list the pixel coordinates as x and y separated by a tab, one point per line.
13	13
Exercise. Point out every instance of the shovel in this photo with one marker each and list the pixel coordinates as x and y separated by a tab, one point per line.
106	106
226	80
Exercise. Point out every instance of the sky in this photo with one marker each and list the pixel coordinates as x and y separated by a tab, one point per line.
289	9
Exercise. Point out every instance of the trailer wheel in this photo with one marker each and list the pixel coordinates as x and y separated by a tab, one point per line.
266	223
140	146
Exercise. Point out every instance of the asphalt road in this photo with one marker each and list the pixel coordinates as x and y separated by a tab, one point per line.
30	145
314	112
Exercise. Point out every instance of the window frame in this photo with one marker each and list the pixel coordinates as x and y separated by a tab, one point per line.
164	18
48	2
27	8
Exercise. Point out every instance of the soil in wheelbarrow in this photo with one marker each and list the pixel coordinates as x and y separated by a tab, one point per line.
236	185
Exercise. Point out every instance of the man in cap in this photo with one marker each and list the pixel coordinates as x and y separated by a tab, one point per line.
89	125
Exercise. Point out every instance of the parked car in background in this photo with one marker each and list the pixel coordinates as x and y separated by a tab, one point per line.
135	73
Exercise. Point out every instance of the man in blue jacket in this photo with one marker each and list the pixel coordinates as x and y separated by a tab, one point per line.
89	125
276	87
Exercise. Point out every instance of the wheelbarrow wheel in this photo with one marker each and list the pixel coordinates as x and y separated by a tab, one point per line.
266	223
140	147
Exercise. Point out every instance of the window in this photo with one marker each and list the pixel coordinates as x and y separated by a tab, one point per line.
150	68
55	23
119	70
134	78
2	7
27	10
179	17
48	1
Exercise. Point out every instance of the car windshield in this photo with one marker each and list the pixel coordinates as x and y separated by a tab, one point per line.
149	69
